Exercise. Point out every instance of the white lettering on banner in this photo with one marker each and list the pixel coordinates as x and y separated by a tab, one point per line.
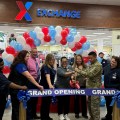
39	93
69	92
103	92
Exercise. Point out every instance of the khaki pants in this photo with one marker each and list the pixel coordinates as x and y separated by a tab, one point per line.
116	112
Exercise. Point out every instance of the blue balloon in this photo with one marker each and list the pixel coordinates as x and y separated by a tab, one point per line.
51	27
13	43
52	33
73	31
70	38
6	63
86	46
18	47
99	59
52	42
37	42
102	102
79	52
8	103
33	34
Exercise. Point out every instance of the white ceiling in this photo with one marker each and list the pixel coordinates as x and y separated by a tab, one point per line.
102	34
101	2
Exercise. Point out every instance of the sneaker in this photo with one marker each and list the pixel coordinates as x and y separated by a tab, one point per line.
61	117
66	117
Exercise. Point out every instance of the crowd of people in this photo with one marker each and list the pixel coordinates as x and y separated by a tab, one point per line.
27	73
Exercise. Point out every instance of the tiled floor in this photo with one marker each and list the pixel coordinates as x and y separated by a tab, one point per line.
7	114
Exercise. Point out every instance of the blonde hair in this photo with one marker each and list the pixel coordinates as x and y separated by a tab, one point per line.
75	64
48	58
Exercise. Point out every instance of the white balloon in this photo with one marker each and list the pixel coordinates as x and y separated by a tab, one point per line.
21	40
77	38
71	45
4	55
27	47
37	29
58	38
58	29
9	58
40	35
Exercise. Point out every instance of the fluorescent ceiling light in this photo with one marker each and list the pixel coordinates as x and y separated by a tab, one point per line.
105	38
20	29
90	35
45	45
19	32
109	36
98	33
1	31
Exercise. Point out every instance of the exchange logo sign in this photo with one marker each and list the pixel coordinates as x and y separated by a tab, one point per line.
58	13
24	11
44	12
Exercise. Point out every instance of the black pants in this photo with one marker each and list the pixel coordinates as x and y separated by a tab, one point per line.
63	104
45	107
2	105
109	108
15	106
77	105
31	104
31	108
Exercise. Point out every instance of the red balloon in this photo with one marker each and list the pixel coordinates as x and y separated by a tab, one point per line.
64	33
83	39
47	38
67	29
85	59
30	41
45	30
6	70
63	41
26	35
74	49
10	50
16	53
78	45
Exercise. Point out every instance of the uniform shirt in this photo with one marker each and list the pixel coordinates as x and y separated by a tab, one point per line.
47	70
33	67
112	77
104	64
62	80
20	68
4	83
93	73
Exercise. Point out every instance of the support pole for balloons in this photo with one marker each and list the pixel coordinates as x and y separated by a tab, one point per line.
22	112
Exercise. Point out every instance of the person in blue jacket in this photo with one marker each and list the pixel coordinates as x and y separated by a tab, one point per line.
4	85
111	80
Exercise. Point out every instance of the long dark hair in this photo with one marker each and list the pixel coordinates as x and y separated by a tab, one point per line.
20	58
117	59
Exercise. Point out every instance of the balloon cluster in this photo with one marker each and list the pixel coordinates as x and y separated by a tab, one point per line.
52	35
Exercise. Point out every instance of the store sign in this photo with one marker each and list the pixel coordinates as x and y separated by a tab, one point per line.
24	11
58	13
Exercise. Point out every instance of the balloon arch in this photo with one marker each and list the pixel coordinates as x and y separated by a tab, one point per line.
41	36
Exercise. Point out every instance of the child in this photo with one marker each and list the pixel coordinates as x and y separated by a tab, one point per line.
4	86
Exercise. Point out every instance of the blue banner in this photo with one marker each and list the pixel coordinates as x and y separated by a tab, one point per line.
61	92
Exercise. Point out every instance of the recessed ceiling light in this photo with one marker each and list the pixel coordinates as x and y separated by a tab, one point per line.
98	33
19	32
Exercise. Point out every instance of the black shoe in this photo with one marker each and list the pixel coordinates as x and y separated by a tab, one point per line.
77	116
106	118
49	118
36	117
85	116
